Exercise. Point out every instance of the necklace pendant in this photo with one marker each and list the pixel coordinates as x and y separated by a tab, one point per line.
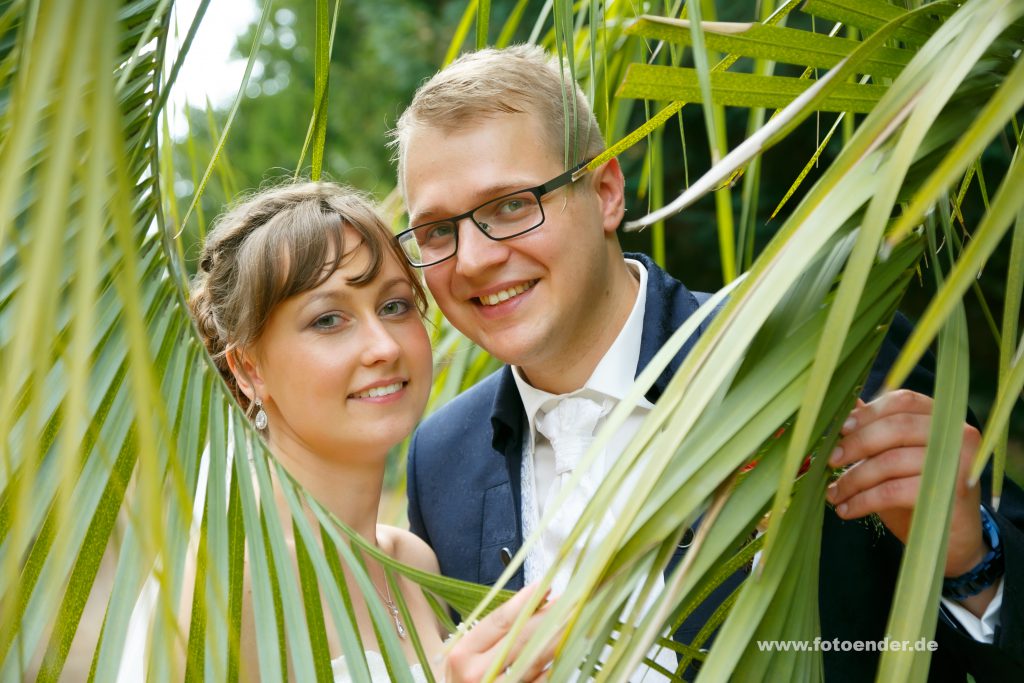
398	621
400	628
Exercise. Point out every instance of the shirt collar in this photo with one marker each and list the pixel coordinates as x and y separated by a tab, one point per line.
616	371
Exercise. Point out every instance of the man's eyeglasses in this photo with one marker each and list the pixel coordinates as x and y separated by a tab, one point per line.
499	219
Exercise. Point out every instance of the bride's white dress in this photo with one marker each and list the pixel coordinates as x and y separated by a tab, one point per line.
378	670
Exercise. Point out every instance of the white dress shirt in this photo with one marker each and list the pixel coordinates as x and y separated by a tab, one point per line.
984	629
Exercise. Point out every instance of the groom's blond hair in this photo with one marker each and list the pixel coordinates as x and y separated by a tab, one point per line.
521	79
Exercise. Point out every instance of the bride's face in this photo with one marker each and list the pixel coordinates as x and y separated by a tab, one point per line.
345	370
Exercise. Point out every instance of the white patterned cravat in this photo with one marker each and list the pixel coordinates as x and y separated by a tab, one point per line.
570	427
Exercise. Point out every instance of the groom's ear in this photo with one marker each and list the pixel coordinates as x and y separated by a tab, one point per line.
610	186
246	369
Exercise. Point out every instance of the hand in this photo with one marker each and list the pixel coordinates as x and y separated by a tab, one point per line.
884	442
476	651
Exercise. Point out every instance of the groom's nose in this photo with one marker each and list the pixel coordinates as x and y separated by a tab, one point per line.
477	253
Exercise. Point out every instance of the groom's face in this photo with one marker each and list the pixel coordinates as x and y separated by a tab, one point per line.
535	299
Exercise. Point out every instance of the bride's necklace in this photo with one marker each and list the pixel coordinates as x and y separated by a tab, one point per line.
392	607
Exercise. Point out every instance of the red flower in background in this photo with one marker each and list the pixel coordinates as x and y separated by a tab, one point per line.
781	430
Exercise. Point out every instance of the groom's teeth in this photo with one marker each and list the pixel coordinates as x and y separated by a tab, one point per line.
379	391
505	294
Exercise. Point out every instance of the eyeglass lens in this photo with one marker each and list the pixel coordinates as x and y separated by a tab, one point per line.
500	219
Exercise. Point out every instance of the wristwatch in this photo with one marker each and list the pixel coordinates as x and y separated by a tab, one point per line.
986	572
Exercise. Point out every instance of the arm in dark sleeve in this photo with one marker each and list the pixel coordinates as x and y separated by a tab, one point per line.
1004	659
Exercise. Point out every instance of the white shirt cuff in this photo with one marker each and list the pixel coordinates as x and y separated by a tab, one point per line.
984	629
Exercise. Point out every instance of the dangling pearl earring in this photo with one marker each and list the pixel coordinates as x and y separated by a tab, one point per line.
260	422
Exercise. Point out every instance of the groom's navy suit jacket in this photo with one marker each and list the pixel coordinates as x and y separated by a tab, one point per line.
464	500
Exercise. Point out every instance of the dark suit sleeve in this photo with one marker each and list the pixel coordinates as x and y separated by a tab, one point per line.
415	517
1010	520
1004	659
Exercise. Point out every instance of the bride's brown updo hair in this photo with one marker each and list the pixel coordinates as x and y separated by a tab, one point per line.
273	245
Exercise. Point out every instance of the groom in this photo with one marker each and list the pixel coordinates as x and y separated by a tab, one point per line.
526	262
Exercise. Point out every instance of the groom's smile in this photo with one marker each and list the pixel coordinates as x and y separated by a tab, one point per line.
502	295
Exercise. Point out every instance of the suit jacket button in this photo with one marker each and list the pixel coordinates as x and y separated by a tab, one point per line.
506	556
687	539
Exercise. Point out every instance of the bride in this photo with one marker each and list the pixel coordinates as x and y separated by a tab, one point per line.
311	313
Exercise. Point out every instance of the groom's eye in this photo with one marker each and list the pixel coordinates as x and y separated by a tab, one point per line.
514	205
439	231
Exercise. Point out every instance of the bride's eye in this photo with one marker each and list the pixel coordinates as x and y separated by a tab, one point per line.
328	321
395	307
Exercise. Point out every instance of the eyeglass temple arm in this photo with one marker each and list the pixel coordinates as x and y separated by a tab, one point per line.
570	176
580	170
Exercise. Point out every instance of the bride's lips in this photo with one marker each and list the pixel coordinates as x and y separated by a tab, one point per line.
383	391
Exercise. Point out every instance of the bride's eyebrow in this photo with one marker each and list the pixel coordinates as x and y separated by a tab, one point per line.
319	295
393	283
345	294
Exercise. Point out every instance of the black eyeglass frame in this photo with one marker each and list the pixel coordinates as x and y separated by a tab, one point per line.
567	178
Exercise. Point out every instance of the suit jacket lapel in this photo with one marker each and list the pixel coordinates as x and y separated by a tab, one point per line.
502	503
669	303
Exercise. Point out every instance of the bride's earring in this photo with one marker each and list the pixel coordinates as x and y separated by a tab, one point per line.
260	421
